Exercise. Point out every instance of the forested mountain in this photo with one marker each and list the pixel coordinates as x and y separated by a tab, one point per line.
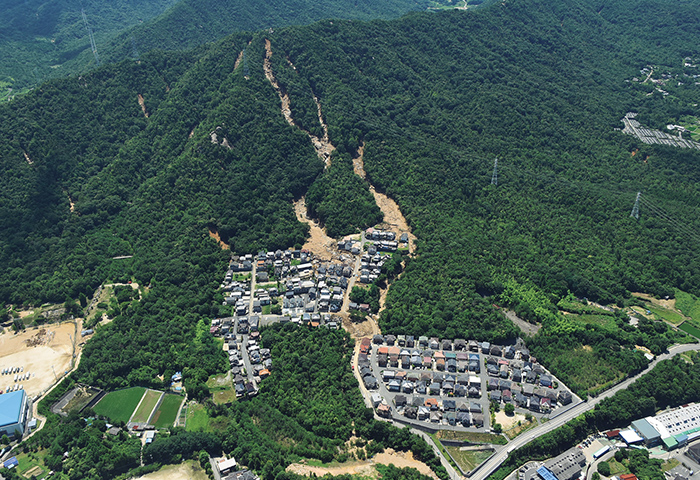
434	97
194	22
41	39
130	160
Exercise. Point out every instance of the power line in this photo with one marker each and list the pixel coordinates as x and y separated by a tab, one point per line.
92	38
661	213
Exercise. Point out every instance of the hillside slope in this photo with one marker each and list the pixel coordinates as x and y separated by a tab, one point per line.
45	39
40	40
91	175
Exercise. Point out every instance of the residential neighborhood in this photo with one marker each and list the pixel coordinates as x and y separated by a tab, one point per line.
452	383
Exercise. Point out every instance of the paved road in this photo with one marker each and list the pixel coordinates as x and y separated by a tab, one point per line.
345	309
593	467
494	462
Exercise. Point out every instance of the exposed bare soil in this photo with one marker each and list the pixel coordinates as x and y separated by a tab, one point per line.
509	422
358	164
667	304
393	217
320	244
215	235
239	58
527	327
26	157
366	328
143	105
183	471
366	467
40	351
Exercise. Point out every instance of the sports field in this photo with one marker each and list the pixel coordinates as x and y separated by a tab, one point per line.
167	412
119	405
150	399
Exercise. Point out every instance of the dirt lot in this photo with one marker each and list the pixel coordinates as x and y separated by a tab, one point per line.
668	304
366	328
54	347
366	468
184	471
509	422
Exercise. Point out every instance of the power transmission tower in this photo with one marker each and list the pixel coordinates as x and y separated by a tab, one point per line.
92	38
494	177
635	208
134	51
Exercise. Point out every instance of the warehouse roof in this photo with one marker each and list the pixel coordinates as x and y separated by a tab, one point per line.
11	407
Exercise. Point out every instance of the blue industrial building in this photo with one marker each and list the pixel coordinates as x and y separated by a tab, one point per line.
13	413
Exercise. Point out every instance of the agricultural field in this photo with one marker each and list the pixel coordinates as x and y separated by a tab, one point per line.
693	126
689	305
660	313
616	468
691	330
605	321
143	413
197	418
166	414
468	460
31	465
119	405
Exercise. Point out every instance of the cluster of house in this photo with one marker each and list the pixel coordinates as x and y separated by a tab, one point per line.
245	383
384	240
238	290
451	370
306	286
453	412
260	362
333	281
371	266
537	399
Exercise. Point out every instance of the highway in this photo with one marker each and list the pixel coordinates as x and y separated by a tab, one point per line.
496	460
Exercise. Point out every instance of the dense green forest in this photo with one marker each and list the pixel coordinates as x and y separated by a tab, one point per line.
434	111
46	39
41	39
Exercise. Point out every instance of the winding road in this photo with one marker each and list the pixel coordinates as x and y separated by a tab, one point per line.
496	460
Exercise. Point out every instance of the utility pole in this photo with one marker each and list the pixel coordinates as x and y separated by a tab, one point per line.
635	208
494	177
